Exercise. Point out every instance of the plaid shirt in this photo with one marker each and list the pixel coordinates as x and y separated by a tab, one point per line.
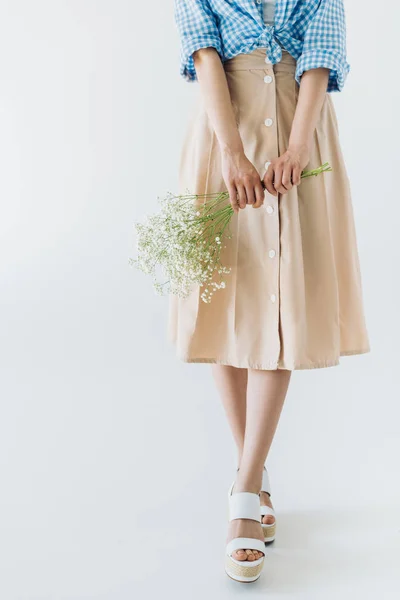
312	31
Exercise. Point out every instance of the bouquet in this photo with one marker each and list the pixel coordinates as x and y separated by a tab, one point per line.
180	246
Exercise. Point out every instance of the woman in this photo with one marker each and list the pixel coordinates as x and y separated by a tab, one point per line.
293	299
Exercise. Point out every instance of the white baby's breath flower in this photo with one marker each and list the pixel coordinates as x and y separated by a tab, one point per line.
183	242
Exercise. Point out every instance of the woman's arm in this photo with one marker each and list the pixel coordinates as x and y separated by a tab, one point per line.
285	170
241	177
321	68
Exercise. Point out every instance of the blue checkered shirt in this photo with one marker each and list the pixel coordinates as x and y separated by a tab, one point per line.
312	31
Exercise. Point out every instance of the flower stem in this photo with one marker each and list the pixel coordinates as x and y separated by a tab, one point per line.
322	169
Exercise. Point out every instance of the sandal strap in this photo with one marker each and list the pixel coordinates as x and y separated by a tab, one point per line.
244	505
267	510
243	543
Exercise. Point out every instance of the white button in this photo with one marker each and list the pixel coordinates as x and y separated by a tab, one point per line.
273	297
267	60
268	79
270	209
271	253
259	1
268	122
267	164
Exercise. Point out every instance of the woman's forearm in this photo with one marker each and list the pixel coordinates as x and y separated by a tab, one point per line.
285	170
217	99
242	179
313	86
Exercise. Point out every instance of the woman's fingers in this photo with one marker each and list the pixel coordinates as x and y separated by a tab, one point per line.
282	174
287	176
296	175
259	194
242	195
269	180
233	197
247	193
250	192
278	170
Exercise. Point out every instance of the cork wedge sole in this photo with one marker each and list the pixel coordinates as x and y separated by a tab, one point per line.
269	531
241	571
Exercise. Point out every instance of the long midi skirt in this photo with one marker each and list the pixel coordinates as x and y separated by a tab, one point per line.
293	299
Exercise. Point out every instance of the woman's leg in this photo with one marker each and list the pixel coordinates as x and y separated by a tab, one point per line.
266	392
232	386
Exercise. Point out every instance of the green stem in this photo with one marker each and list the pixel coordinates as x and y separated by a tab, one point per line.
322	169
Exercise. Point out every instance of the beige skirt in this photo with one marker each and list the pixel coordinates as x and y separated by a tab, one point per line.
293	299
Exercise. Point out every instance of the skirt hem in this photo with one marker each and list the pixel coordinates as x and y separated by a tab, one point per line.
276	365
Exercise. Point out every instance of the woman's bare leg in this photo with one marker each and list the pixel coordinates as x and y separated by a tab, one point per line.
232	386
266	392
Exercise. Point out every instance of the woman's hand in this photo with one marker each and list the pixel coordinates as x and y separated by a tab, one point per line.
284	172
241	179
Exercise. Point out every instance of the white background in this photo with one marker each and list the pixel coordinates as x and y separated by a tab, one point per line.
115	458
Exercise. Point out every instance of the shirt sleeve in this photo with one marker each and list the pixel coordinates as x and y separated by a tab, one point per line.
197	29
325	44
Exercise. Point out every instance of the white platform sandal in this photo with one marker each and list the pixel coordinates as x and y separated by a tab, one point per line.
269	529
244	505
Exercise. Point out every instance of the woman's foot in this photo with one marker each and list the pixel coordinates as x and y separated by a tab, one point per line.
245	528
265	500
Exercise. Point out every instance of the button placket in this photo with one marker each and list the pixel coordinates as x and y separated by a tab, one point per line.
272	248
